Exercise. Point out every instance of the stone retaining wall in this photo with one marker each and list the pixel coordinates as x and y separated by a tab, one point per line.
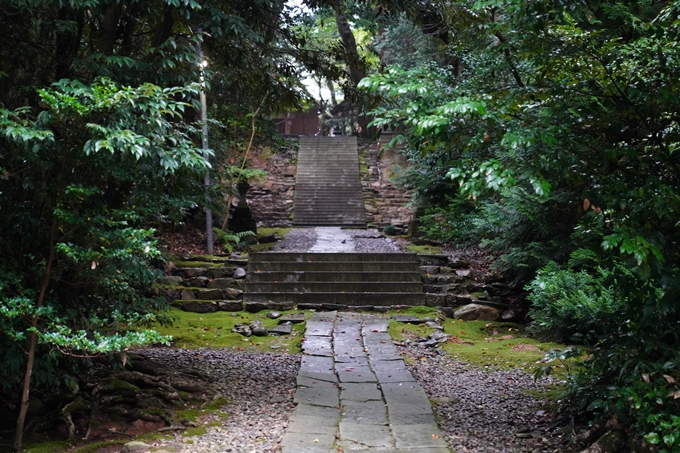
271	200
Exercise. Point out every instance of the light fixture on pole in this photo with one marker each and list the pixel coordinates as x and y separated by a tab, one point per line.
204	141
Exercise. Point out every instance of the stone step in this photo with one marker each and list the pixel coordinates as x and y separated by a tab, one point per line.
316	276
350	299
328	185
335	287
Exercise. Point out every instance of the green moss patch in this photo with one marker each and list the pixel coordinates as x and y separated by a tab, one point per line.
424	249
213	330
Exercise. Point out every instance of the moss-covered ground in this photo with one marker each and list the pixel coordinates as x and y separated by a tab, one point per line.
213	330
424	249
484	344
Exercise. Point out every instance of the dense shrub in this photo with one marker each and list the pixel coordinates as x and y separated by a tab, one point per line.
571	306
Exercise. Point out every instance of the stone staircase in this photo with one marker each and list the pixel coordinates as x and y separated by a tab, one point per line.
327	184
334	280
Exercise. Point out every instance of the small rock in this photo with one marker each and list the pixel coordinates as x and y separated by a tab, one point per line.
439	337
239	273
242	329
433	325
259	331
508	315
137	447
273	315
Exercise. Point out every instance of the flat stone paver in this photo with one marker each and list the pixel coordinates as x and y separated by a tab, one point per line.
332	240
355	392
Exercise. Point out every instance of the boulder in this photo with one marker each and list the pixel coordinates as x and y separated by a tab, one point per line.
476	312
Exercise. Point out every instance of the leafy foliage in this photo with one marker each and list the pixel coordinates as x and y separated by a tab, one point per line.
560	127
571	306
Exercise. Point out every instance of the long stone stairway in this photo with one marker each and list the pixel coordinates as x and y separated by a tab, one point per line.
327	183
334	279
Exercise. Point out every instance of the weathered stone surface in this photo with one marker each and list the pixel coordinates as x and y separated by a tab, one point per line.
239	273
259	331
233	293
188	272
210	294
198	282
135	447
408	319
230	305
281	329
220	283
285	305
292	318
435	300
477	312
508	315
172	280
242	329
188	294
254	307
196	306
220	272
273	315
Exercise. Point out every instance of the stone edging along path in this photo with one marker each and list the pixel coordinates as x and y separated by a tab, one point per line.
354	392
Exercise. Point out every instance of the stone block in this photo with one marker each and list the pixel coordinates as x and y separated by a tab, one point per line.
196	306
435	299
187	294
233	293
285	305
254	307
209	294
220	283
220	272
198	282
172	280
188	272
230	305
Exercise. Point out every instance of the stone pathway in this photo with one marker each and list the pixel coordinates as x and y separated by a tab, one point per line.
332	240
354	392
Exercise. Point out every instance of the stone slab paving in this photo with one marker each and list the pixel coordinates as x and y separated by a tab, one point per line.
333	240
355	393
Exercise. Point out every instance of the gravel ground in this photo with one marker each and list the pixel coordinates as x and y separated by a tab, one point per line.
479	411
371	241
482	411
297	240
259	389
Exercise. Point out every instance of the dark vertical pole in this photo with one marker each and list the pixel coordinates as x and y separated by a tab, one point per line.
204	140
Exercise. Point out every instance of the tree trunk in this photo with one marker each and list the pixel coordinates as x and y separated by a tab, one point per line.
357	71
107	37
66	45
26	390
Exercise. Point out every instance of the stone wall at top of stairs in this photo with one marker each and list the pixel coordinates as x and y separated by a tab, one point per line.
271	198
